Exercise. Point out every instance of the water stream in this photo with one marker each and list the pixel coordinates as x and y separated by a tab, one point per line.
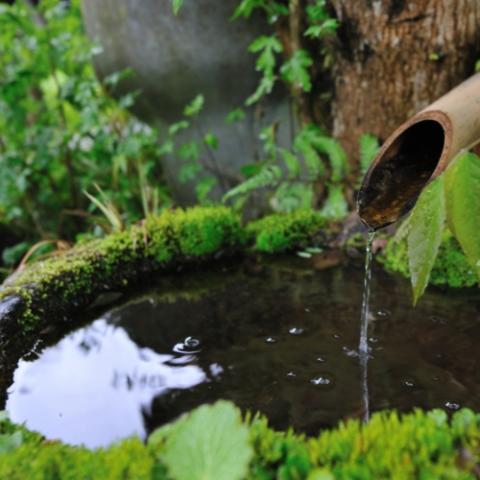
364	320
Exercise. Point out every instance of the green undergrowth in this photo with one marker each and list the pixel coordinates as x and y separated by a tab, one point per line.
277	233
171	239
451	267
214	442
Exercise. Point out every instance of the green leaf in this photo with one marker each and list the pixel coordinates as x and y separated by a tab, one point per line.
267	177
267	47
335	206
211	140
209	443
246	7
336	154
295	70
9	442
177	5
291	162
462	188
369	147
176	127
189	151
250	169
189	171
326	28
204	187
236	115
425	235
195	106
292	196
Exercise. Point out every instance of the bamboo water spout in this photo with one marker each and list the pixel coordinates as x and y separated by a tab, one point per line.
417	152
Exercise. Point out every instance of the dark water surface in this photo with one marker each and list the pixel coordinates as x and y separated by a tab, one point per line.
280	338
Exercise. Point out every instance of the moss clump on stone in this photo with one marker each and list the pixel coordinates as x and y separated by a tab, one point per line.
73	280
417	445
281	232
55	288
451	266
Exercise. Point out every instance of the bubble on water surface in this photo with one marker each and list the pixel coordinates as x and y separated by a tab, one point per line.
383	313
349	352
296	331
321	380
188	346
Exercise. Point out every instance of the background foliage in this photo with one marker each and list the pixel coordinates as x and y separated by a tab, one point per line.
61	133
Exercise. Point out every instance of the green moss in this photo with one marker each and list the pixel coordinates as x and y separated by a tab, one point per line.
78	276
418	445
71	281
451	267
279	232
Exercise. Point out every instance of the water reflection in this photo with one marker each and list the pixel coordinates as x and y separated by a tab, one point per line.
100	386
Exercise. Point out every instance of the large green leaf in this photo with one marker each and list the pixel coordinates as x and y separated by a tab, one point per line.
426	225
335	206
177	5
209	443
462	187
369	147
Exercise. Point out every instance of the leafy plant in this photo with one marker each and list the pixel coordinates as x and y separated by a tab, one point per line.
290	175
197	154
60	130
453	200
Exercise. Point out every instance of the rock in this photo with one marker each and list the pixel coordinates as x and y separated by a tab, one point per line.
11	308
200	51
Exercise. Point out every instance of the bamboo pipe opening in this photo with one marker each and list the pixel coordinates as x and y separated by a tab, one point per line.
402	169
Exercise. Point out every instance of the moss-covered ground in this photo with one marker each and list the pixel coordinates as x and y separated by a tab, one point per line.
420	445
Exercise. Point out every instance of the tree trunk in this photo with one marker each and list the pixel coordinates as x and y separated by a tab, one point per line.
394	57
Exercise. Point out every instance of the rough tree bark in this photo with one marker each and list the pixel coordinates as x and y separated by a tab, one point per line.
396	56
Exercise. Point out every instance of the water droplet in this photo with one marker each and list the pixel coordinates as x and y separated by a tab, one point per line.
349	352
291	374
296	331
270	340
321	380
321	359
383	313
452	405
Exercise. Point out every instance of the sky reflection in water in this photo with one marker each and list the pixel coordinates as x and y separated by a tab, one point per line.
100	383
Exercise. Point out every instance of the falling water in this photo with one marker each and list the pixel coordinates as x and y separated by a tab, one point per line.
363	344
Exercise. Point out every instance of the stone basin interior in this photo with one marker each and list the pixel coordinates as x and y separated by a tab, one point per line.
279	338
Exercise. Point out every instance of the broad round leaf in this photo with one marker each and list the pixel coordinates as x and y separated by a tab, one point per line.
209	443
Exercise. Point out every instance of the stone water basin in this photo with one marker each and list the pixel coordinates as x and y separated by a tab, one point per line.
278	337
